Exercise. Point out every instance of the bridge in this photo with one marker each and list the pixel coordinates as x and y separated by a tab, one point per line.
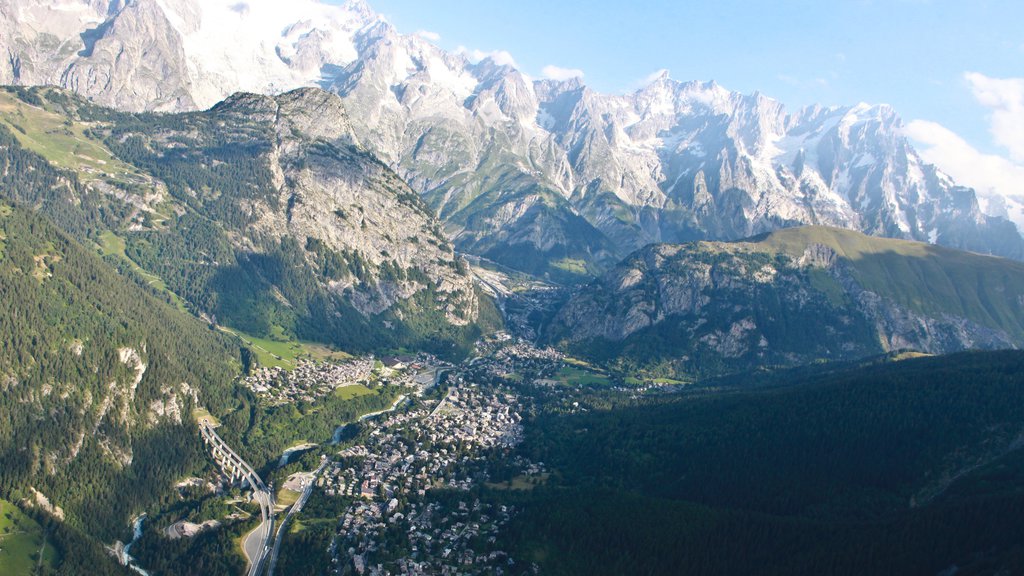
256	543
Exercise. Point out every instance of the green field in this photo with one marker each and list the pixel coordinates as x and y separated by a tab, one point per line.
286	353
23	547
298	525
286	498
112	244
571	265
572	376
64	143
352	391
521	482
576	362
203	413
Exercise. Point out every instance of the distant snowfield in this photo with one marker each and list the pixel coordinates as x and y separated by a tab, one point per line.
264	46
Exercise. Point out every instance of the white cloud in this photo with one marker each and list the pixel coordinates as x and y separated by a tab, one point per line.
655	76
500	57
429	36
991	176
552	72
646	81
1005	98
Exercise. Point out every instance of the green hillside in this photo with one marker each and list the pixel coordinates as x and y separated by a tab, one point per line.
795	296
75	427
887	468
922	277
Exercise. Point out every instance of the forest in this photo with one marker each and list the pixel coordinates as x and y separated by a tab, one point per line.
906	467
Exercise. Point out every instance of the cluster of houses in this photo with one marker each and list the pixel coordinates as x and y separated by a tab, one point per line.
307	381
389	476
441	541
500	361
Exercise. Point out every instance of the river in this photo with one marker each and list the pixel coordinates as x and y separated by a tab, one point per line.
126	557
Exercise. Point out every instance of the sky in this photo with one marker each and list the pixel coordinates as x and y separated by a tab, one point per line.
952	69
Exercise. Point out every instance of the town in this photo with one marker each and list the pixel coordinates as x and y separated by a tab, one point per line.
403	458
399	490
312	380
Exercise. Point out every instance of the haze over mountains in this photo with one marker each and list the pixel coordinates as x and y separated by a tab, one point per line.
545	176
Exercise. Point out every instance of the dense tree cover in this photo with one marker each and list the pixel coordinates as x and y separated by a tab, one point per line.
210	553
895	468
211	164
74	424
262	433
305	546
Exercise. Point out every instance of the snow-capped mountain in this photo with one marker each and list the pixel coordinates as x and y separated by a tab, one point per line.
542	175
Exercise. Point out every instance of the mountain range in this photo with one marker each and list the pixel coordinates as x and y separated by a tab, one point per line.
548	177
792	297
191	190
263	214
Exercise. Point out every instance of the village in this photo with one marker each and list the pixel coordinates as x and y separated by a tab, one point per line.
312	380
390	476
407	483
308	381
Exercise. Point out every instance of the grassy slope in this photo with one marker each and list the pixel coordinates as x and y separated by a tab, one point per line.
285	353
21	541
922	277
62	142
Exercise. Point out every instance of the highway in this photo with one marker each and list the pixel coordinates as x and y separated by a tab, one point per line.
295	509
257	543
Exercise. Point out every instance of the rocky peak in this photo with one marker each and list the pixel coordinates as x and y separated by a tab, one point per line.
317	114
671	161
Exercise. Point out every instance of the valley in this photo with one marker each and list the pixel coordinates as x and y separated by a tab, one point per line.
286	290
498	467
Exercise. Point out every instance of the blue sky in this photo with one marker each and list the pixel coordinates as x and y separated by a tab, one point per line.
953	69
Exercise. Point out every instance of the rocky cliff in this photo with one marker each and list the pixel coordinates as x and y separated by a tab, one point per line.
545	176
792	297
264	213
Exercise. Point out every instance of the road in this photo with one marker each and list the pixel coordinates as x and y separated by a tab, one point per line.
295	509
439	405
257	543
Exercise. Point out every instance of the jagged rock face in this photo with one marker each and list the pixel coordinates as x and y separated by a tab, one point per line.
792	298
322	189
527	172
123	54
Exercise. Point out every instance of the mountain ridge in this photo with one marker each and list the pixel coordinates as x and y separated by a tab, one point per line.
263	213
794	296
516	167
